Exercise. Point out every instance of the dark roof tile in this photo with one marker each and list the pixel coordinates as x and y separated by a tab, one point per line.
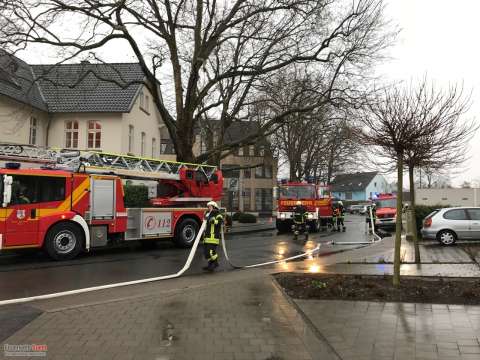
352	182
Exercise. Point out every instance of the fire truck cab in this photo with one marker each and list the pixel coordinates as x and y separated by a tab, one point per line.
66	212
386	210
315	198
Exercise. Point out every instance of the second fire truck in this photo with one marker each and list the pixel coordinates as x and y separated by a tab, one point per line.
315	198
75	202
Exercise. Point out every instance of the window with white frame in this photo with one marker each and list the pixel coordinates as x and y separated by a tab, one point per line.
32	139
143	144
154	147
94	135
147	103
131	135
252	150
71	134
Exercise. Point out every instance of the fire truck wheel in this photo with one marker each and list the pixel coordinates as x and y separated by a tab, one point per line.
185	233
63	241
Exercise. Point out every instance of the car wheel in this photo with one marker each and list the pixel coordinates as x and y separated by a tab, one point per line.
64	241
447	237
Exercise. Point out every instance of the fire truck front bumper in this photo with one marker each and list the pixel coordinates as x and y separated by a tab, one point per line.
386	223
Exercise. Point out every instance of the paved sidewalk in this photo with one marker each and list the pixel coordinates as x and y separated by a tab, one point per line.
397	331
237	316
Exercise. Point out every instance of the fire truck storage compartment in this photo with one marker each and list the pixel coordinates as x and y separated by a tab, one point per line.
102	204
148	223
98	235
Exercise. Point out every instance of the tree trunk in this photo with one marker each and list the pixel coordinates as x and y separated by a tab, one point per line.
414	219
398	227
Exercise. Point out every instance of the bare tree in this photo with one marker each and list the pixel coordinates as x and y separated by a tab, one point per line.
445	135
209	55
388	127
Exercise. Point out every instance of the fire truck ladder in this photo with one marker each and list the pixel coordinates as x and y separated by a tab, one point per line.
96	161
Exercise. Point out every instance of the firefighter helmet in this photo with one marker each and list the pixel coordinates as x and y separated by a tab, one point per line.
298	203
212	203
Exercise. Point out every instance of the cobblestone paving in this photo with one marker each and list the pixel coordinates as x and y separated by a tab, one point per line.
249	319
397	331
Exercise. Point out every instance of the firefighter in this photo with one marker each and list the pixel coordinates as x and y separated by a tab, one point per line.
299	216
212	235
334	217
341	216
372	208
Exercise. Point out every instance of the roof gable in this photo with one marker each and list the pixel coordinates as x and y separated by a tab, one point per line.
17	81
353	182
89	87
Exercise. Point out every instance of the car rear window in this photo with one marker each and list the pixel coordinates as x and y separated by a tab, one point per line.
431	214
474	214
457	214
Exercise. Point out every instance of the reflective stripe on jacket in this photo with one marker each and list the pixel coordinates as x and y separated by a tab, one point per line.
214	226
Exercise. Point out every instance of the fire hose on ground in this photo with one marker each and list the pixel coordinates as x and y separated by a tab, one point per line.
159	278
376	237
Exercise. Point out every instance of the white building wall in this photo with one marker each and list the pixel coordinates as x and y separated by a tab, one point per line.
452	197
110	135
378	185
15	122
142	120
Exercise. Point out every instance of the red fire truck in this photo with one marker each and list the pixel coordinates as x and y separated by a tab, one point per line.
75	201
316	199
386	210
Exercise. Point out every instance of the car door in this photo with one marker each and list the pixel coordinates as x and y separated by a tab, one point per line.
474	215
458	221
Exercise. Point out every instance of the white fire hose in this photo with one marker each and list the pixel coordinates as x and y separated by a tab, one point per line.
142	281
110	286
305	254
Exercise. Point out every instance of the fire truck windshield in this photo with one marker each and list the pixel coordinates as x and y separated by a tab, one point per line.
297	192
386	203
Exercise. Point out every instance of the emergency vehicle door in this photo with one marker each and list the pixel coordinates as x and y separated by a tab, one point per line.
31	196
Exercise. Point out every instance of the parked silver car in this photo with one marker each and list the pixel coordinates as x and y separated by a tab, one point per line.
451	224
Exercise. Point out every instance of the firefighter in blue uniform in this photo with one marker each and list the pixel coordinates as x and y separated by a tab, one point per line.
212	235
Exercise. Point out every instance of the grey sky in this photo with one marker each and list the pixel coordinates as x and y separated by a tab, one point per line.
440	38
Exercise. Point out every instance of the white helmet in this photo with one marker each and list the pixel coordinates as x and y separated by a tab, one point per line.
212	203
340	203
298	202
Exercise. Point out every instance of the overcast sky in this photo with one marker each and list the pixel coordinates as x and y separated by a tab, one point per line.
440	38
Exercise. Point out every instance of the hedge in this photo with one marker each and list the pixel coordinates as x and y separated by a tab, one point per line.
236	216
422	211
247	218
136	196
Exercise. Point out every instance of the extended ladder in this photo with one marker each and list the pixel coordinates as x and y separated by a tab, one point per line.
84	160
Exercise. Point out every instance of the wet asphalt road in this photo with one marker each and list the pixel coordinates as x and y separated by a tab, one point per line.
25	274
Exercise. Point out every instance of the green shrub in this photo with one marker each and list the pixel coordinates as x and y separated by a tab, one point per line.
247	218
422	211
136	196
236	216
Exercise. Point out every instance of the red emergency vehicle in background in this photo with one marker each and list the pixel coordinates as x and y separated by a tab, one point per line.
386	210
316	199
76	201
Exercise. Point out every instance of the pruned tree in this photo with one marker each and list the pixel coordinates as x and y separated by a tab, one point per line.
209	55
445	138
389	127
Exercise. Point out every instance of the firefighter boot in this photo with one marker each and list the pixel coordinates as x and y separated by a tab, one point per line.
210	267
344	229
